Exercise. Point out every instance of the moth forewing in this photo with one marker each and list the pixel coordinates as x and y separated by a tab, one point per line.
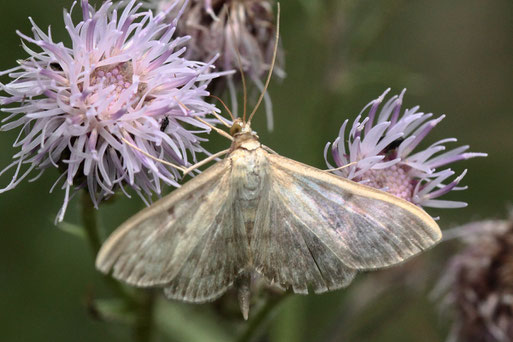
215	262
151	247
366	228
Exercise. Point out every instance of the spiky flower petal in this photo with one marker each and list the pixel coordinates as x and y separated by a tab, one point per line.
124	78
381	150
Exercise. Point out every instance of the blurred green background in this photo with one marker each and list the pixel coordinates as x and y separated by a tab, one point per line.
455	57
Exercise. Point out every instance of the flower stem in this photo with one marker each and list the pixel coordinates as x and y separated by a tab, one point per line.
262	317
143	329
90	222
141	302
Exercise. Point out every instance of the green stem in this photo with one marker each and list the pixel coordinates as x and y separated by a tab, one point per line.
90	222
255	325
142	303
143	329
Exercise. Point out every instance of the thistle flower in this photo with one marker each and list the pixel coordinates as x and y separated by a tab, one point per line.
123	77
382	145
478	283
225	26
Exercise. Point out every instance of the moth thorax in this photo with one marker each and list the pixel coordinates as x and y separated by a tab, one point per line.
249	173
248	141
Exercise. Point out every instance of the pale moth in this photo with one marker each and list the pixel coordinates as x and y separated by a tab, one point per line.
256	212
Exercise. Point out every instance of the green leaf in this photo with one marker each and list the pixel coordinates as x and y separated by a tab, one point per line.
174	320
72	229
114	309
311	7
288	324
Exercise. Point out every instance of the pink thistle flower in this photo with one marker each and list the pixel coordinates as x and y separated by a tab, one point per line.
124	77
225	26
382	147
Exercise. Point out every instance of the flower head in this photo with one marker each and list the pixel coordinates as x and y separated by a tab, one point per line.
478	282
228	26
124	78
382	147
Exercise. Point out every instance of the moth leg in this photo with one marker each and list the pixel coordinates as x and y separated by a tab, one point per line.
219	131
341	167
205	161
268	149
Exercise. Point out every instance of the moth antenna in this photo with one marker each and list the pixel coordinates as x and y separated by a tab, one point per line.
178	167
219	131
342	167
225	106
275	52
243	77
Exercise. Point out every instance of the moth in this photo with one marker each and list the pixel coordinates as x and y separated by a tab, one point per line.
256	212
298	227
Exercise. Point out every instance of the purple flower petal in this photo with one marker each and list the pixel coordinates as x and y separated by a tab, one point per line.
123	74
384	153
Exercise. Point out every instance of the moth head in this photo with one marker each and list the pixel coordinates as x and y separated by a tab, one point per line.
239	127
236	127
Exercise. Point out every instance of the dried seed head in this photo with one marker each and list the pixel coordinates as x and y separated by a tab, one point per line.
478	283
227	27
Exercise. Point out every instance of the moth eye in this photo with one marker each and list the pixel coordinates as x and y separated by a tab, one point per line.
236	128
